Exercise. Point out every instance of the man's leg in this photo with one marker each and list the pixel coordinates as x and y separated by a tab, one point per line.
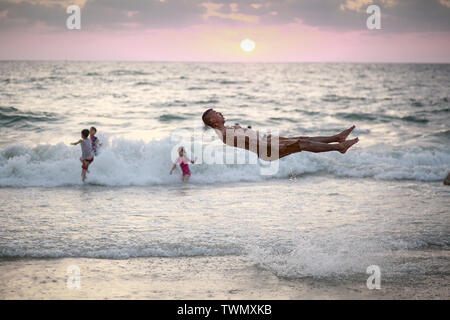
290	146
340	137
317	147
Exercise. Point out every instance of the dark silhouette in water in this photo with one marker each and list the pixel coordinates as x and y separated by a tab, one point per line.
447	180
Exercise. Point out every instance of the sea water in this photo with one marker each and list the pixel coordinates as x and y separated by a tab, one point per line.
319	215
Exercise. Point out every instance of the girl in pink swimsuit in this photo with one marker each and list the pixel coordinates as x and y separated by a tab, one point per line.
183	161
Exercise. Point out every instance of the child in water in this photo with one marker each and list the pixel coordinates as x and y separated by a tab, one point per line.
87	156
94	140
183	161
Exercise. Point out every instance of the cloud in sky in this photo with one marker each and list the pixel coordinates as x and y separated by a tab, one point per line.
401	15
161	22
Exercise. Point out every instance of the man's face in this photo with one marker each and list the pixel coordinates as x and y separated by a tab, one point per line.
92	132
216	117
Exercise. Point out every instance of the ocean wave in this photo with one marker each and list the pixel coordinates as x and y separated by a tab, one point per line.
321	259
283	119
145	83
196	88
337	98
120	253
309	113
43	79
225	81
379	117
128	73
336	254
437	111
93	74
338	251
10	116
170	118
209	101
416	103
127	162
443	133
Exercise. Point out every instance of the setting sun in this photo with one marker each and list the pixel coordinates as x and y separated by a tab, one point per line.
247	45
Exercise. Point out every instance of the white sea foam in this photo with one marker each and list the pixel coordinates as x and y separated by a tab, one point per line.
131	162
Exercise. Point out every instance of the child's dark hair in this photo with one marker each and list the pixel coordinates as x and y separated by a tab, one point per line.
85	133
94	128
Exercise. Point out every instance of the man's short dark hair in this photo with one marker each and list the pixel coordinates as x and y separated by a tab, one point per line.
85	133
205	114
94	128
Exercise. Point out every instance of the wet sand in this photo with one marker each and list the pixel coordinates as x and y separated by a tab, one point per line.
226	277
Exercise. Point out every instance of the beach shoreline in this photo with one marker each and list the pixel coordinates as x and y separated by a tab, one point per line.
202	278
198	249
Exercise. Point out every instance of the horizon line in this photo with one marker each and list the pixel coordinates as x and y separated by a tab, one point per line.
224	62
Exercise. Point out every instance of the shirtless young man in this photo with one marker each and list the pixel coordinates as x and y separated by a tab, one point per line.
248	139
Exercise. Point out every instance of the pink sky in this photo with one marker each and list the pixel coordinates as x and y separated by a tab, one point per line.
219	41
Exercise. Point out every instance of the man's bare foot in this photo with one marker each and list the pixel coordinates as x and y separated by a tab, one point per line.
341	137
347	144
